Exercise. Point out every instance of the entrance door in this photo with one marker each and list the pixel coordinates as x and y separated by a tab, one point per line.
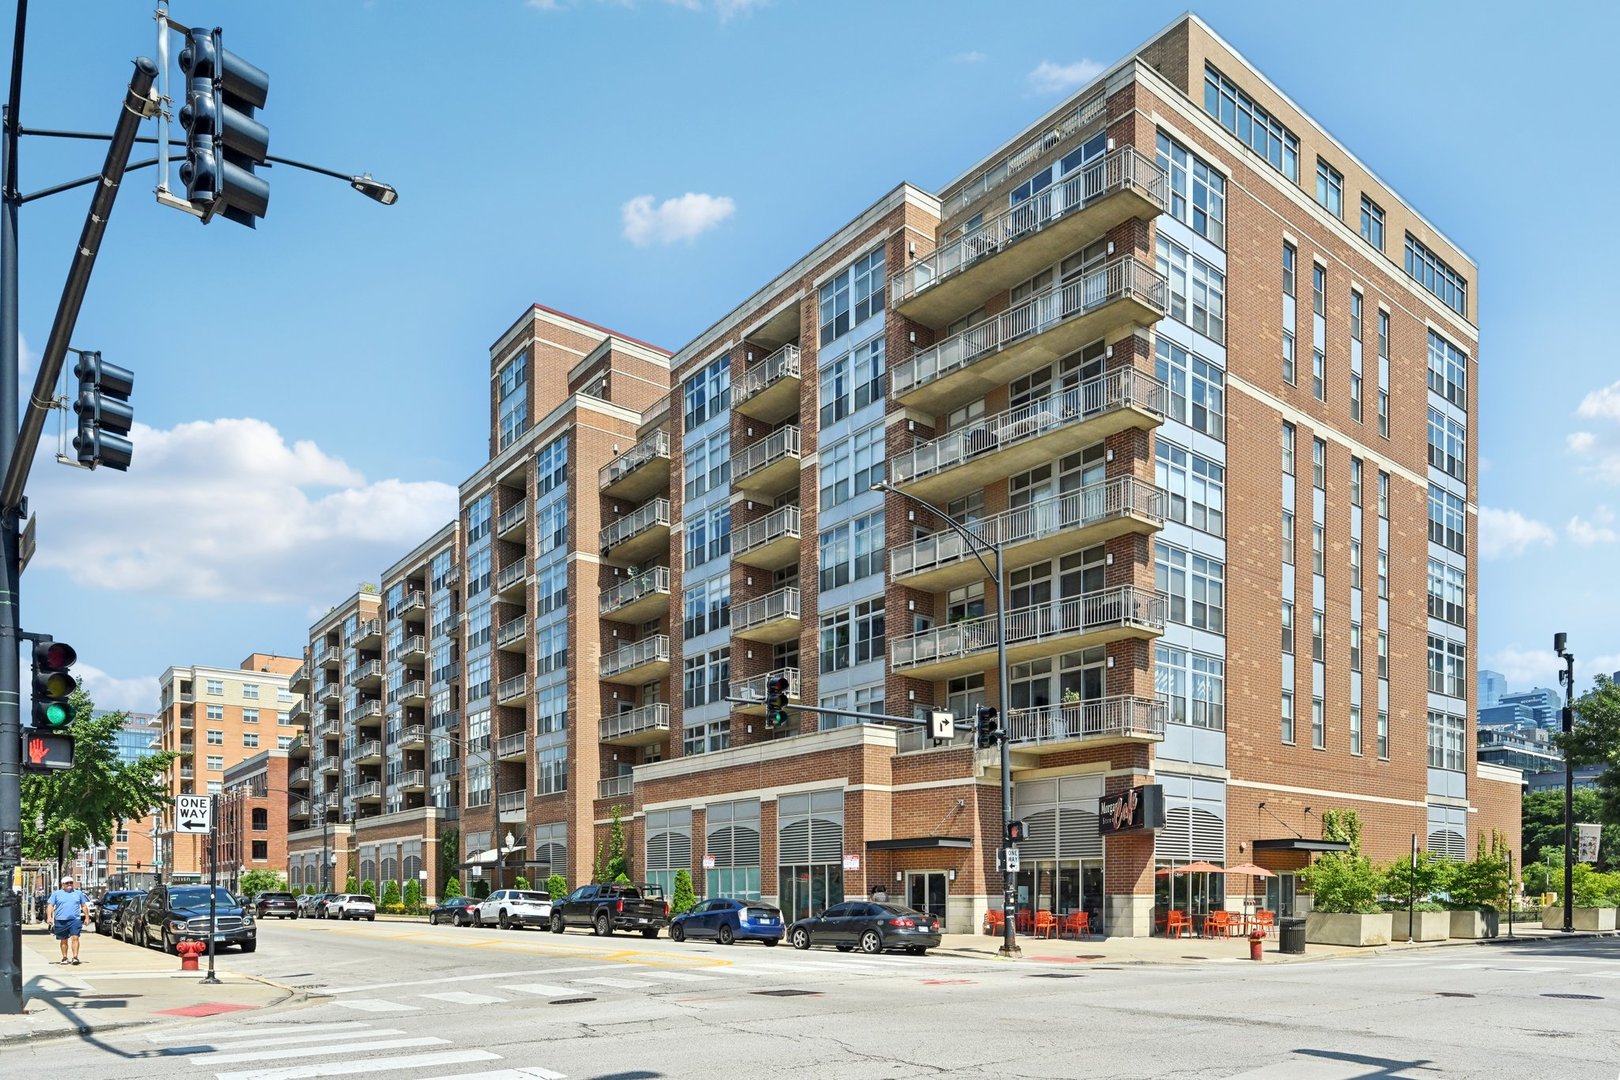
925	891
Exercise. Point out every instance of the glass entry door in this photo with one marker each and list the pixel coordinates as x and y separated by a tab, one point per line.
926	891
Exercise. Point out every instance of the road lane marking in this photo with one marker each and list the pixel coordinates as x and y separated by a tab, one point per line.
374	1005
343	1068
617	984
682	976
203	1045
460	978
539	989
462	997
227	1057
246	1031
530	1073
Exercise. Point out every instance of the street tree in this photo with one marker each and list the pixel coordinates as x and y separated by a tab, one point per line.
255	882
1542	825
1595	740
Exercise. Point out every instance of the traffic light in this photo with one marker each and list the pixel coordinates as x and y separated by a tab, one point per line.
1015	832
105	415
776	702
223	140
988	729
53	685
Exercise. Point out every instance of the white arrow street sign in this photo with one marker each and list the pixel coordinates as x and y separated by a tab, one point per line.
193	814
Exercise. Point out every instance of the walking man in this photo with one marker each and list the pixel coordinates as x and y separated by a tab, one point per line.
66	914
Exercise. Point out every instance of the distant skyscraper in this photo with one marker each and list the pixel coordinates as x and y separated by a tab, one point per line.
133	741
1544	705
1491	687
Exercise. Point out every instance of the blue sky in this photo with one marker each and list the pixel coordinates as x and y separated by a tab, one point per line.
310	393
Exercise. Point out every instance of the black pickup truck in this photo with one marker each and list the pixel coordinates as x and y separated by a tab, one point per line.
606	908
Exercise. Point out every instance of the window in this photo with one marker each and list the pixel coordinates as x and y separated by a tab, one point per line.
853	296
1197	289
1288	716
1383	495
1290	373
512	393
1193	685
1319	374
707	464
478	518
214	712
261	850
216	737
869	367
1446	738
1287	449
1195	485
1355	564
250	716
1355	481
551	466
707	606
869	631
1447	589
869	549
1429	270
214	687
1319	464
1237	113
1195	584
852	636
250	691
1355	646
1318	726
869	458
1383	374
1383	735
1319	288
1372	223
705	677
1448	370
1355	397
1448	444
1383	575
216	762
1318	637
1330	188
1197	192
1290	259
708	536
1288	627
1288	537
836	400
1197	388
706	738
1318	549
835	641
1446	521
837	469
1355	730
834	557
284	742
250	739
551	588
1383	654
708	392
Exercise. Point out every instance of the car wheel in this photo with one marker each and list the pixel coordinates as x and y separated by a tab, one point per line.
371	918
433	920
871	942
604	926
677	933
478	919
918	950
726	937
249	946
801	938
503	921
556	924
169	945
650	933
769	943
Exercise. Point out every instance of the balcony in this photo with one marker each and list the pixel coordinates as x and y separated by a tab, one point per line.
769	391
615	787
330	764
757	687
656	414
300	678
413	737
368	792
645	726
640	471
368	633
331	729
415	600
769	467
512	580
299	748
1041	530
413	692
298	809
411	780
369	713
511	805
368	752
513	522
638	662
367	674
297	710
1036	433
638	598
1096	618
771	543
187	772
413	648
300	777
640	535
513	635
977	186
1029	335
451	576
188	723
329	694
1088	723
1018	243
513	747
511	691
331	658
773	617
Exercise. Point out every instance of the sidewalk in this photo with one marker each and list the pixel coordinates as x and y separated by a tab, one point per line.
120	985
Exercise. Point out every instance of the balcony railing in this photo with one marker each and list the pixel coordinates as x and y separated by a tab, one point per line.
329	693
1123	277
615	787
330	729
625	593
1121	389
369	630
648	516
1124	168
299	675
1109	717
977	186
781	364
330	764
511	517
371	748
298	808
781	604
415	600
411	780
371	669
332	657
653	446
511	575
783	443
1123	605
415	645
511	689
411	737
368	710
757	687
511	746
370	791
510	801
298	708
1124	496
645	720
299	776
781	523
511	631
654	649
414	690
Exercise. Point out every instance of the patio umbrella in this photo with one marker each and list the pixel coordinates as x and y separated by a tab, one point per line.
1253	871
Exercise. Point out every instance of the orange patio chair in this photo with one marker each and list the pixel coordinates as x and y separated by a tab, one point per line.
1218	924
995	922
1025	921
1045	924
1177	923
1266	921
1077	924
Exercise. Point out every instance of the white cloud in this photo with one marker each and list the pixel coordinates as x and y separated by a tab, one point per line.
1508	533
972	57
1602	403
683	218
228	510
1600	531
1050	78
730	9
1524	668
1580	442
139	694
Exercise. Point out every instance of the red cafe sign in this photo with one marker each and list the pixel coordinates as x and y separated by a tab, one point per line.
1131	810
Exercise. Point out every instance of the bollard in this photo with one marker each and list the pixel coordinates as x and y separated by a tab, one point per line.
1257	941
189	951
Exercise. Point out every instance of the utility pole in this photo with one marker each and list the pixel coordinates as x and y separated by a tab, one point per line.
1567	677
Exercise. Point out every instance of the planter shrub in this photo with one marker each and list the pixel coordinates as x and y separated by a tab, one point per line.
1347	928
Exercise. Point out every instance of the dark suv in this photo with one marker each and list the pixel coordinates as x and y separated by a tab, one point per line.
283	905
176	913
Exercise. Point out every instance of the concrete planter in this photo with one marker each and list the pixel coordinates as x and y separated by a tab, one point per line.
1327	928
1426	926
1581	918
1475	924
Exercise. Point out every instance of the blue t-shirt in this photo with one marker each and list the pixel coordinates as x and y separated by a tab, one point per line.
68	905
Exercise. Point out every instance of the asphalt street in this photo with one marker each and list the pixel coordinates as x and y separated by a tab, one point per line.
411	1002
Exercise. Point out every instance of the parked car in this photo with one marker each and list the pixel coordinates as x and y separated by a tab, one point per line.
111	903
458	911
304	902
319	907
606	908
176	913
283	905
727	921
511	909
127	925
871	927
352	906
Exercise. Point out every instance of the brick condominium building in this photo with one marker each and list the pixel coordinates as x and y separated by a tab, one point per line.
1201	376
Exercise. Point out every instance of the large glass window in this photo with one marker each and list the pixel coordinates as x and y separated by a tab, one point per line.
1258	129
1330	188
1431	271
1448	589
1197	191
1446	521
1447	736
513	384
1448	443
1448	370
1195	585
1197	388
1372	223
707	393
1197	289
1196	487
706	676
853	296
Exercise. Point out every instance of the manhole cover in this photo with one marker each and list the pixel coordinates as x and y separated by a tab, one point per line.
1091	956
1056	975
1451	993
1576	997
786	993
1100	968
571	1001
1195	958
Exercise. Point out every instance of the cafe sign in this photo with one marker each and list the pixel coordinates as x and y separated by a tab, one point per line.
1132	810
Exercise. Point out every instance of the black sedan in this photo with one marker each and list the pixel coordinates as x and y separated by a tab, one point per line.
457	911
107	912
868	926
283	905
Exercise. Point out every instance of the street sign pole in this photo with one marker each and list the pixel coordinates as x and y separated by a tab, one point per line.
213	884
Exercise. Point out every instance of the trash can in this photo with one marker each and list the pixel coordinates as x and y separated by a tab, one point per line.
1291	936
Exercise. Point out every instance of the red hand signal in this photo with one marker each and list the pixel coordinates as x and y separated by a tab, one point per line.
36	750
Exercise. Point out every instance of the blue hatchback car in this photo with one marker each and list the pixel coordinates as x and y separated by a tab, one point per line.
728	921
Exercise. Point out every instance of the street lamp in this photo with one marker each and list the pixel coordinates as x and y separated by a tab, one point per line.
1567	677
979	545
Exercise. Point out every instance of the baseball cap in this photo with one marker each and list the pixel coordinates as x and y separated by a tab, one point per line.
67	880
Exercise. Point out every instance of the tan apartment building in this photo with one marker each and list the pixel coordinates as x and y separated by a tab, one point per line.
215	718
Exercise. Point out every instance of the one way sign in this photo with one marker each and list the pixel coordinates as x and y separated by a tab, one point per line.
193	813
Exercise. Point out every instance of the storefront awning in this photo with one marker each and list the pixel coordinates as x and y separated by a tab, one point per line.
920	843
1299	843
489	857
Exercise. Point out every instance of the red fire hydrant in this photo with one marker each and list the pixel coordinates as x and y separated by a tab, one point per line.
189	951
1256	941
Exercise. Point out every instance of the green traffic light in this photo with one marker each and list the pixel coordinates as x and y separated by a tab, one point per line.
56	714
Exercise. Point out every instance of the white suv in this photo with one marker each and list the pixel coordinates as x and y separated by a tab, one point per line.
352	906
513	908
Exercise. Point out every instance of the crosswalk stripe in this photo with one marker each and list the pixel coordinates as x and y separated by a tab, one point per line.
462	997
679	976
198	1045
249	1030
539	989
619	984
344	1068
221	1057
375	1005
530	1073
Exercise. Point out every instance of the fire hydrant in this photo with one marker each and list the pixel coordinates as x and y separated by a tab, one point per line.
189	951
1256	941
